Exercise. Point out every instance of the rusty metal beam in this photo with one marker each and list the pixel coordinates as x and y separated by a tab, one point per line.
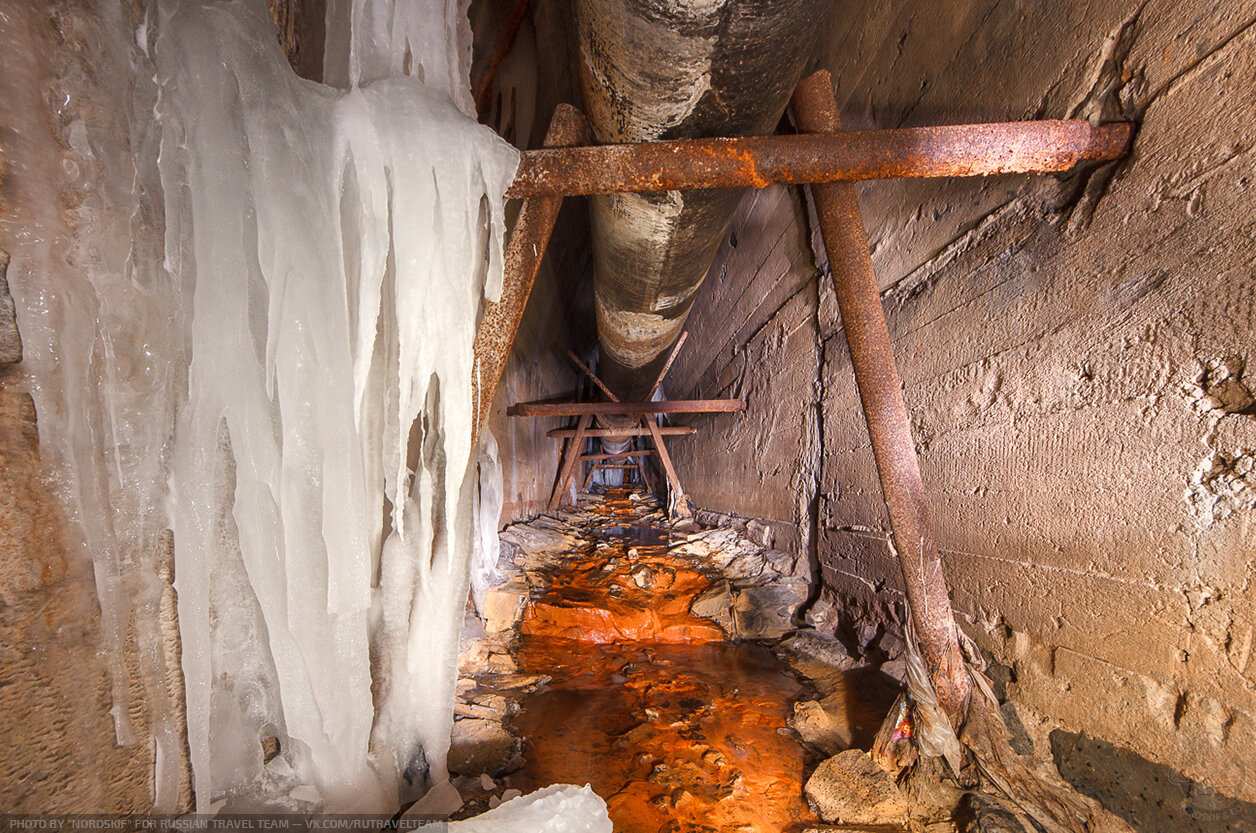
588	372
623	455
863	321
679	505
760	161
628	431
524	250
667	406
510	32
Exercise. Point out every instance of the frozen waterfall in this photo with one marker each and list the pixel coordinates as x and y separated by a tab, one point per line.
334	249
249	303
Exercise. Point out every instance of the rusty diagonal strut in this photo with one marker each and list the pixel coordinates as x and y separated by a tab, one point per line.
829	161
871	355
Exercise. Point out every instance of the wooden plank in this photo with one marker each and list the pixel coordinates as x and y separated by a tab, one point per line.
571	458
656	434
600	384
593	458
680	342
634	431
671	406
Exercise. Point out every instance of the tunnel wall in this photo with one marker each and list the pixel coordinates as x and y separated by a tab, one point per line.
537	73
1072	351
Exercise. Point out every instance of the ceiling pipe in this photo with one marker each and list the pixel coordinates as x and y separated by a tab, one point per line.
654	70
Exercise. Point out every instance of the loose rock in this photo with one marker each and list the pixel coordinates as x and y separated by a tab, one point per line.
850	789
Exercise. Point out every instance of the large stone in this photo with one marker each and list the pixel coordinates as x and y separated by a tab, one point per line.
820	728
850	789
10	340
767	611
716	604
820	658
482	746
543	536
504	604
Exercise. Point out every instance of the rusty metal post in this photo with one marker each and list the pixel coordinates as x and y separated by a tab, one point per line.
863	319
524	250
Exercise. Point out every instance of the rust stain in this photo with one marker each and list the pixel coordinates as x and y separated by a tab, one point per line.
676	729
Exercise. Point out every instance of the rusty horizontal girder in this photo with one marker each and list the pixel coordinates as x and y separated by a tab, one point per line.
673	406
623	455
760	161
629	431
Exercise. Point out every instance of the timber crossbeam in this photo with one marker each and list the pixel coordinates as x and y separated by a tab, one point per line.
672	406
628	431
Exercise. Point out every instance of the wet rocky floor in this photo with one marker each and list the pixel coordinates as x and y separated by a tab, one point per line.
602	672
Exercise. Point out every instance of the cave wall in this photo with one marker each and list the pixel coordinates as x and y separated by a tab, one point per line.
1072	351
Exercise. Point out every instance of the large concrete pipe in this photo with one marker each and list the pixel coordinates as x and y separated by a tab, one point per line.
675	69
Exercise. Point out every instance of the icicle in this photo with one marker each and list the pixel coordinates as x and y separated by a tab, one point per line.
334	249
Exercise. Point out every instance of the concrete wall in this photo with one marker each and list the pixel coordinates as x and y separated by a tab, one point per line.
1072	350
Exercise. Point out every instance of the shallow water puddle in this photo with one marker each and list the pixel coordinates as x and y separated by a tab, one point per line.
676	729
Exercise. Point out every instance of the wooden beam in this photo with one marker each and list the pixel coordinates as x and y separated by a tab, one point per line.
571	458
680	342
623	455
631	431
668	406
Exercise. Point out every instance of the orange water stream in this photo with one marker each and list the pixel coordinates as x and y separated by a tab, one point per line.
674	728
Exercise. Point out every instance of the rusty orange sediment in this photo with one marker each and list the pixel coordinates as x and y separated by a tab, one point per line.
675	728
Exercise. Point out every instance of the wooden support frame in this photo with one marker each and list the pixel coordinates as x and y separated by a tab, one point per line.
680	505
571	459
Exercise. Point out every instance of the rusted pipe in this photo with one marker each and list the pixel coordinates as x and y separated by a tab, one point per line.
863	320
510	32
760	161
524	250
654	70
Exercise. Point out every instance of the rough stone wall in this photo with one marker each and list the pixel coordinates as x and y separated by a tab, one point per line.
1072	350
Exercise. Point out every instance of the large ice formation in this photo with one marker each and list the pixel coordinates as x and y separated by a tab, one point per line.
287	386
334	248
562	808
